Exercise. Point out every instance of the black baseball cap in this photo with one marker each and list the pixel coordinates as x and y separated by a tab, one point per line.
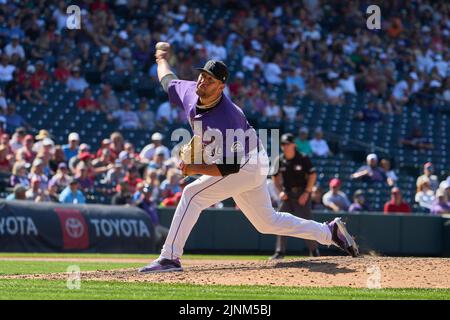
218	69
287	138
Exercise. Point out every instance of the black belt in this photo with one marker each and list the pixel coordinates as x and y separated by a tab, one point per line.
295	190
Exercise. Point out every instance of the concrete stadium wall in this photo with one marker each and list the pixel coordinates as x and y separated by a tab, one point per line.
230	231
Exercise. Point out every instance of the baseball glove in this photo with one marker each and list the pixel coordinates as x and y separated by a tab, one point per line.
192	152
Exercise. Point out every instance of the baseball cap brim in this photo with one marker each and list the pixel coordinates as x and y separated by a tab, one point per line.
208	72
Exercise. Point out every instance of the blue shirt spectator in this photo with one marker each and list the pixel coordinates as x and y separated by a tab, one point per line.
71	149
71	194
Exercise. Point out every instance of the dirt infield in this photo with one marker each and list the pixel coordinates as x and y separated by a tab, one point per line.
392	272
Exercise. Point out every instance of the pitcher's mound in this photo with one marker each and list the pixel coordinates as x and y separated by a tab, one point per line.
362	272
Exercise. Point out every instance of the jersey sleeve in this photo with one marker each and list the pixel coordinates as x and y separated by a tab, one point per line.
177	90
309	168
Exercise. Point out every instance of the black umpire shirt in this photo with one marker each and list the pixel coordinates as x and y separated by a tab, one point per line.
295	172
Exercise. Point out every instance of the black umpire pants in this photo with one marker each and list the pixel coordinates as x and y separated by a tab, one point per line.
292	206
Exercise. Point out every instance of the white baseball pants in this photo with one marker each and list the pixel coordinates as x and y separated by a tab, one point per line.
249	190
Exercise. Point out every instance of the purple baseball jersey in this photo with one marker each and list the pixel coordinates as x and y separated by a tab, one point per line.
225	115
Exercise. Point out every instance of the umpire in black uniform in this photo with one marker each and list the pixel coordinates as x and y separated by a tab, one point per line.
295	180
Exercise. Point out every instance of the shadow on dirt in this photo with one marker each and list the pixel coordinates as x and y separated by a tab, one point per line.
316	266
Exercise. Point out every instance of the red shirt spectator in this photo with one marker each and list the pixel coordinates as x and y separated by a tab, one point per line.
39	77
87	102
100	6
396	204
61	73
131	179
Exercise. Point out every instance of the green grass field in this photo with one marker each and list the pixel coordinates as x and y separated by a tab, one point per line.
57	289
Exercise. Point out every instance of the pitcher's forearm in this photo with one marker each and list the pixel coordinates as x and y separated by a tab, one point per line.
163	69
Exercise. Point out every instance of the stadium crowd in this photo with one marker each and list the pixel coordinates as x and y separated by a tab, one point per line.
319	49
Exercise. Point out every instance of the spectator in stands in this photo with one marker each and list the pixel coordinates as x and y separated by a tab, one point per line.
36	192
347	83
129	148
45	156
145	115
83	155
103	159
175	199
370	172
87	102
396	204
26	153
272	70
42	136
123	195
370	114
251	60
272	111
132	179
37	171
445	186
316	199
108	100
404	89
57	158
3	102
302	142
148	151
71	149
425	195
13	119
428	176
29	92
126	160
5	161
72	194
52	193
335	199
40	78
295	82
14	47
151	179
236	86
104	146
359	202
391	176
19	193
158	164
103	63
171	185
62	72
167	113
76	82
318	145
123	63
84	176
116	145
291	113
6	70
62	178
441	205
334	93
19	175
128	119
17	139
416	140
114	175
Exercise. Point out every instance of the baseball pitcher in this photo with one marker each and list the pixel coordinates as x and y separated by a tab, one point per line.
239	172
